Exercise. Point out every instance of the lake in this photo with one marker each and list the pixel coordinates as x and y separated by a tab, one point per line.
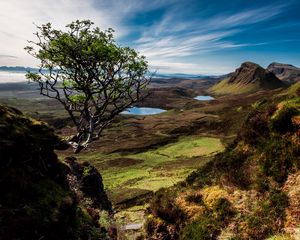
12	77
143	111
204	98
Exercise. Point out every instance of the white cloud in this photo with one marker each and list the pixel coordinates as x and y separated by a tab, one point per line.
165	43
17	18
200	67
174	38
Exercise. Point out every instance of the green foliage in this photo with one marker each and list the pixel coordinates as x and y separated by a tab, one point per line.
206	228
281	237
229	162
87	170
35	77
256	127
79	98
266	218
281	120
164	208
88	73
280	155
292	91
258	103
222	210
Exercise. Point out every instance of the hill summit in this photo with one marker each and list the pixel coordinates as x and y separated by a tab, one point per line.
249	77
285	72
250	72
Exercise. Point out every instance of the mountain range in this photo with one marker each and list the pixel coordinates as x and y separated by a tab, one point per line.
249	77
285	72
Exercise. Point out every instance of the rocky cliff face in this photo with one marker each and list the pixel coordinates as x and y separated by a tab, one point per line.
253	73
285	72
41	196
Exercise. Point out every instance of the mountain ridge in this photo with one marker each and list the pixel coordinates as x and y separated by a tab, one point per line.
249	77
285	72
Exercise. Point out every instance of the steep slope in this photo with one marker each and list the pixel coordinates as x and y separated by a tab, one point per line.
285	72
42	197
250	191
249	77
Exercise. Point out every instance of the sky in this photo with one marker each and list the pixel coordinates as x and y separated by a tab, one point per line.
176	36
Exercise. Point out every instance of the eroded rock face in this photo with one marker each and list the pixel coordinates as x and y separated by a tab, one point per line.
253	73
285	72
89	182
37	200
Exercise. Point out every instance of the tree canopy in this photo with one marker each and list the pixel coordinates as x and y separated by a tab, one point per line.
93	77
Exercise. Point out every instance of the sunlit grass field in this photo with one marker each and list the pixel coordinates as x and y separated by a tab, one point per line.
154	168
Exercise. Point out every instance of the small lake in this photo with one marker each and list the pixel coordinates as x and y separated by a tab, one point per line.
12	77
204	98
142	111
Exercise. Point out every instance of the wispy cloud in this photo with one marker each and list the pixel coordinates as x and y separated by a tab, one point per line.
245	17
17	18
173	38
8	56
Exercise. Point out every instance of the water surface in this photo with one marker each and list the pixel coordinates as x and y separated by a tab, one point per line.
204	98
143	111
12	77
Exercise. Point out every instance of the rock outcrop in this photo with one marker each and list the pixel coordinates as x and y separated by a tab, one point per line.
285	72
248	78
41	196
250	72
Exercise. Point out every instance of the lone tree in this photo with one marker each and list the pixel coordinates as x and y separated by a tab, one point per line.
89	74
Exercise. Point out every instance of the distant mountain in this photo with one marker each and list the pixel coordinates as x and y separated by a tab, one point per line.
17	69
249	77
183	75
285	72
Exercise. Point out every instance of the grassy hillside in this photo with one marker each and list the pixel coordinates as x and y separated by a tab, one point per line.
247	192
223	88
153	169
248	78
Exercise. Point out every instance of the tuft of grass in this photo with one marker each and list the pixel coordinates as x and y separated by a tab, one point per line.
292	91
209	225
281	237
281	120
266	218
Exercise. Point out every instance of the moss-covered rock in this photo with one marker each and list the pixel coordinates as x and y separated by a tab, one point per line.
37	199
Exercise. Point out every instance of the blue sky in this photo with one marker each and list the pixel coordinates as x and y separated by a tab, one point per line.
205	37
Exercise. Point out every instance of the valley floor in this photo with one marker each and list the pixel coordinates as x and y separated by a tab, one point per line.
138	155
